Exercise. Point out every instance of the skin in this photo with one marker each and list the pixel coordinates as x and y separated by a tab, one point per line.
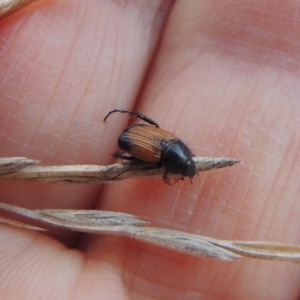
222	75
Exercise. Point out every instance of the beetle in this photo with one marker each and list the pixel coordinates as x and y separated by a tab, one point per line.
150	143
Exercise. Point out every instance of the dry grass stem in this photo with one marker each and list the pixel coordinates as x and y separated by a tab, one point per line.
105	222
100	174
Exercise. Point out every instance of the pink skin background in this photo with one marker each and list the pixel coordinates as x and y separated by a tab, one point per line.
223	75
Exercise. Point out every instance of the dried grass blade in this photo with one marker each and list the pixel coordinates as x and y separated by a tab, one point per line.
184	242
105	222
9	165
104	174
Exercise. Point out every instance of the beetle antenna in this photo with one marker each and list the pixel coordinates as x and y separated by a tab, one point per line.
133	113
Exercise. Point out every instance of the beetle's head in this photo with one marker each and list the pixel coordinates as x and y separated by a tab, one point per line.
190	169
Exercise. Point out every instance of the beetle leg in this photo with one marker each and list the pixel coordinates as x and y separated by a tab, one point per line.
167	179
123	156
170	181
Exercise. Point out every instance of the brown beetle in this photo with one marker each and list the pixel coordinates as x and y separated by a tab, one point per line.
151	144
